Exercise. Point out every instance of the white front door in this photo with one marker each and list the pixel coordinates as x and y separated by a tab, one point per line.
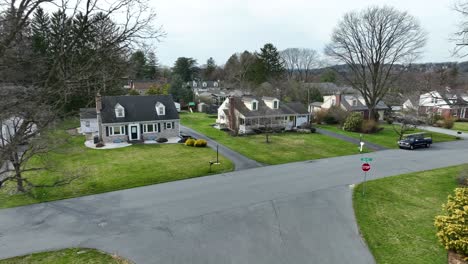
134	132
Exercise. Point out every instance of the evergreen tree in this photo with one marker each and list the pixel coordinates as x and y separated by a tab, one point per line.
178	89
138	65
210	69
185	68
270	59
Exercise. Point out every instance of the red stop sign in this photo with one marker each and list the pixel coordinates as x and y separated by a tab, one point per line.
365	167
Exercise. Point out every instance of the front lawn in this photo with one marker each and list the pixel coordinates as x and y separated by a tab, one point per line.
396	215
113	169
284	147
387	137
461	126
67	256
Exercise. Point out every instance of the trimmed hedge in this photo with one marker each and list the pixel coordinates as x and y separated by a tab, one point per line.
201	143
190	142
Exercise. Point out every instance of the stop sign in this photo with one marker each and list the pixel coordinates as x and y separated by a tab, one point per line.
365	167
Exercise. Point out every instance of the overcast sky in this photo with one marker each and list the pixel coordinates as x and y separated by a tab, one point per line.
219	28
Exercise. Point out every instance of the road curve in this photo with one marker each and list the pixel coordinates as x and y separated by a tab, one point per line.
292	213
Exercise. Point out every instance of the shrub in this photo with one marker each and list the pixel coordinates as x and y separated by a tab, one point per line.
320	116
313	130
452	228
439	123
201	143
389	120
369	126
161	140
432	119
330	120
353	122
338	114
448	122
190	142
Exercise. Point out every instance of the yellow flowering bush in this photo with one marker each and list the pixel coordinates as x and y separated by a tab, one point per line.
452	227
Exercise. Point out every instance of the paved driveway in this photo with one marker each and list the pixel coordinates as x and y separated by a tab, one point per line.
292	213
240	162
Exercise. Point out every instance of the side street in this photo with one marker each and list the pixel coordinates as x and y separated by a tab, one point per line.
233	132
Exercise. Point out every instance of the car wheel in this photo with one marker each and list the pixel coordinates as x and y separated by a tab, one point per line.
411	147
426	145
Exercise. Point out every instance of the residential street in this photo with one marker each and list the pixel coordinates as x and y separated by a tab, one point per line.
292	213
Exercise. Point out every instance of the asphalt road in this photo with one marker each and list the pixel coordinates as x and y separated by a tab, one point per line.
292	213
240	162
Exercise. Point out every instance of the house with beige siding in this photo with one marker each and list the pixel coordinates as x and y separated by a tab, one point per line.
245	114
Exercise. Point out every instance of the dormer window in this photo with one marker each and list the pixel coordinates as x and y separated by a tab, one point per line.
194	84
160	109
275	104
215	84
204	84
254	106
119	111
354	102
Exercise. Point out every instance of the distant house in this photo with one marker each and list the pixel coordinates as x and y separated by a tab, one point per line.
203	85
247	113
136	118
88	122
142	86
447	104
350	103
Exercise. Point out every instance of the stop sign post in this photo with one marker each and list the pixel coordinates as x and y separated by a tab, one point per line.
365	167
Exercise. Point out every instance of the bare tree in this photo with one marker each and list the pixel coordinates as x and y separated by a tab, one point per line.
300	62
376	44
25	121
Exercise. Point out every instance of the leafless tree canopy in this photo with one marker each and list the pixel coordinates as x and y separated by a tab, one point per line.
300	62
376	44
461	35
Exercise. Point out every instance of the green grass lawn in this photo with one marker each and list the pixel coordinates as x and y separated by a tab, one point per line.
461	126
67	256
396	215
387	137
113	169
284	147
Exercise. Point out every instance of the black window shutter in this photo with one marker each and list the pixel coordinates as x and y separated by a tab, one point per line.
126	130
164	125
159	127
172	125
107	131
141	128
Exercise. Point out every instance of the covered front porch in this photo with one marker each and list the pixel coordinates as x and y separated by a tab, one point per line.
288	122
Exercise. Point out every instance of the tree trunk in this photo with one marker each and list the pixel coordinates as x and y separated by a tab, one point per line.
19	180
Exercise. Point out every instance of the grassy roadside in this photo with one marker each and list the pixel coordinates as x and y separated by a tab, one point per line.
387	137
461	126
113	169
67	256
284	147
396	216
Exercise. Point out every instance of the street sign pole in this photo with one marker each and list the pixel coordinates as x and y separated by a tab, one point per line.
364	184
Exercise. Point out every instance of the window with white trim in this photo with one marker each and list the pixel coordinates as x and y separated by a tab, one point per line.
116	130
204	84
254	106
149	128
275	104
87	124
160	109
119	111
169	125
354	102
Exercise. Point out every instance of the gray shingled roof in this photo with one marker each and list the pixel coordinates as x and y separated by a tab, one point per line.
88	113
137	108
264	110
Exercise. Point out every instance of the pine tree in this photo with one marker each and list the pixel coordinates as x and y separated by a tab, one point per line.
210	69
270	59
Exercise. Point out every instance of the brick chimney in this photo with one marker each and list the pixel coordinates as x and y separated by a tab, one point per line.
98	103
338	98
